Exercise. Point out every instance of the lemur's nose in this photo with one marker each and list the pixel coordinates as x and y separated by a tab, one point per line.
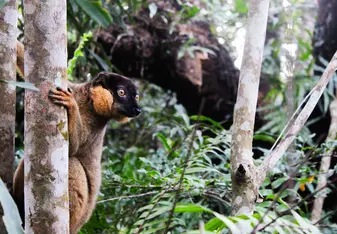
137	110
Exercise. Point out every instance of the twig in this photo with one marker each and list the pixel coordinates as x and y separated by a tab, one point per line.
176	197
271	160
326	216
128	197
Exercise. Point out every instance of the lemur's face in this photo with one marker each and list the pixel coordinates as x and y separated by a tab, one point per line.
120	98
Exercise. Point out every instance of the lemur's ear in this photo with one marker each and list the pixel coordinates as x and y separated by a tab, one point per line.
100	79
102	100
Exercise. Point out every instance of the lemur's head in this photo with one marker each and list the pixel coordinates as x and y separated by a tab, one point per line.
114	96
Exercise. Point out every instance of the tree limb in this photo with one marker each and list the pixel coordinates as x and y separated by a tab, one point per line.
325	165
275	155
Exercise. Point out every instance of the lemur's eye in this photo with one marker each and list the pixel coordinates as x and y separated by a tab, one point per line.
121	92
137	97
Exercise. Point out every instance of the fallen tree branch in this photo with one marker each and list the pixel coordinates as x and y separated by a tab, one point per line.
325	165
275	155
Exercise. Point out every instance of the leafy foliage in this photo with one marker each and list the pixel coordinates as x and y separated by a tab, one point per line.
144	159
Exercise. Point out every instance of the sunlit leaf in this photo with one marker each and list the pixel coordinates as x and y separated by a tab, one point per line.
25	85
96	11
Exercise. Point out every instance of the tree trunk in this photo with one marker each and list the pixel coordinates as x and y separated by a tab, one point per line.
325	45
46	131
8	21
243	171
324	167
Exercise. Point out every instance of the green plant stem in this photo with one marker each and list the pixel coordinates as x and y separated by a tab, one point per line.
176	197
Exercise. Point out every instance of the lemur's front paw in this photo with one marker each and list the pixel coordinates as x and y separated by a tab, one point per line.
62	97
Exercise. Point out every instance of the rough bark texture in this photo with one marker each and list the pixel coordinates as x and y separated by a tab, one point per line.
46	132
325	165
149	50
325	45
8	19
271	160
243	171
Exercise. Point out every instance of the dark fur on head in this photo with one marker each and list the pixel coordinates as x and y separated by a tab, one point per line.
115	96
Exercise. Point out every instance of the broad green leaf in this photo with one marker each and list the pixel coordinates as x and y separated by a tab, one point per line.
11	216
96	11
214	224
191	208
229	223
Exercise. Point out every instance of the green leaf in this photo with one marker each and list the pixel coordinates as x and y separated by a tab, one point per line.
95	10
158	212
192	208
78	53
241	6
198	232
277	183
206	119
264	137
164	141
25	85
229	223
11	216
214	224
201	169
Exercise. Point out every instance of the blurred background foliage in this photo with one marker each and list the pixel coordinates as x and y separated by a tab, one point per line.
144	163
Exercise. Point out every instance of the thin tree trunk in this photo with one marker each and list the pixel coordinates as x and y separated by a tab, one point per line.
8	21
325	165
243	171
46	132
287	71
296	125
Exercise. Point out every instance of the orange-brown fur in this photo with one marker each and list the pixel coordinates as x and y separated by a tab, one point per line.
19	61
89	109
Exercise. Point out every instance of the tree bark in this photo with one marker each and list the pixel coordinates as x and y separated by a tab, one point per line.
8	21
46	131
325	45
243	171
324	167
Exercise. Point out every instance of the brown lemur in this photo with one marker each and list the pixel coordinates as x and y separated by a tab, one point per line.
89	106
